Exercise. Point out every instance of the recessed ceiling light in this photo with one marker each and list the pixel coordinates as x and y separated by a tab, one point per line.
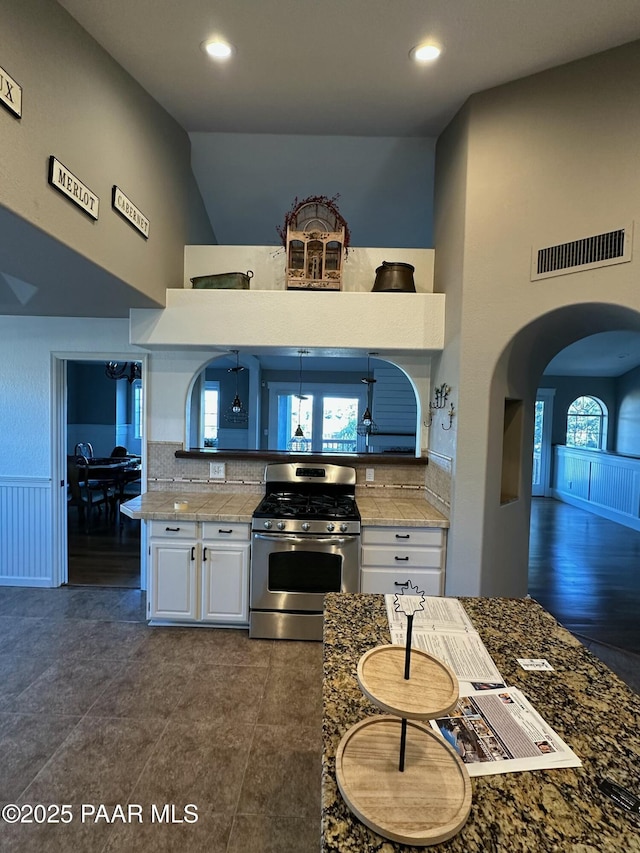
218	49
425	52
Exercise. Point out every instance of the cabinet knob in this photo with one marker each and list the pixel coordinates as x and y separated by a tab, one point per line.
402	559
172	529
403	536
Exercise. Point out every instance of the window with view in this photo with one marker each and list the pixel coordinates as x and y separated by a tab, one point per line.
328	419
137	408
587	423
210	414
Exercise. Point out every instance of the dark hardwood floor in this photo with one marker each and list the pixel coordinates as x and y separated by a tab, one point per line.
107	555
585	570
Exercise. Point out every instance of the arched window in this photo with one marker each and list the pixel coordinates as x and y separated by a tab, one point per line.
587	423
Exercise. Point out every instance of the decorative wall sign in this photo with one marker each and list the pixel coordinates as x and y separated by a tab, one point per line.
67	183
127	209
10	93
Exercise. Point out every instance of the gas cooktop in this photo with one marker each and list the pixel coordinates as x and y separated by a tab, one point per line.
308	499
292	505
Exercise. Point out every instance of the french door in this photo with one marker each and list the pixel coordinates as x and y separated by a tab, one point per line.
327	417
540	478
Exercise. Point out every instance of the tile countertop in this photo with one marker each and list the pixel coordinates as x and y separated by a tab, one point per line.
202	506
544	810
400	511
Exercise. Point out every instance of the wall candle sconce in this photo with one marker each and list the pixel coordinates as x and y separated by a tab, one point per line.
441	395
451	414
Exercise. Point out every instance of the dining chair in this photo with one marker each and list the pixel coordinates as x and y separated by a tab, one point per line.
84	448
90	493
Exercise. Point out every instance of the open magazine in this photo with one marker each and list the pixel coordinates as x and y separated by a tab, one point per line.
493	727
444	630
498	731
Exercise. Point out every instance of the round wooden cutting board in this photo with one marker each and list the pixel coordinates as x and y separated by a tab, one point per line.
430	691
426	804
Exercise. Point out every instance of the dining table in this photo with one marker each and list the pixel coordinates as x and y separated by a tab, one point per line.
110	474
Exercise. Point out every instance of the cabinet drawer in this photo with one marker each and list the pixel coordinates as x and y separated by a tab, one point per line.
432	536
387	580
224	531
174	529
402	558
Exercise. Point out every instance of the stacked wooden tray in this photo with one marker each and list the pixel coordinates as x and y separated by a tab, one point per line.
430	799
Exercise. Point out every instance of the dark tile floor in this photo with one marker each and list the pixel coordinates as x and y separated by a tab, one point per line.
98	708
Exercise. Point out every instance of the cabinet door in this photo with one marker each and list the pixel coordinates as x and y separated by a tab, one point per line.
225	582
173	583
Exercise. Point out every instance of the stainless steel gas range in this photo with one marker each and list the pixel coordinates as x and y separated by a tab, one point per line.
305	542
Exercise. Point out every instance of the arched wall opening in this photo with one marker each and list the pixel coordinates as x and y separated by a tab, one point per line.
515	380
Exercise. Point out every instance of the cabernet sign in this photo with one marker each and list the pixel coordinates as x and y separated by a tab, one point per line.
67	183
126	208
10	93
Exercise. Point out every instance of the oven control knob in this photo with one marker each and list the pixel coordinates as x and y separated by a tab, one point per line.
268	525
281	525
331	527
306	526
343	527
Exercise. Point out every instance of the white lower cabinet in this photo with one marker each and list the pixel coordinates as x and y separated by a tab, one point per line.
173	587
393	556
225	573
199	572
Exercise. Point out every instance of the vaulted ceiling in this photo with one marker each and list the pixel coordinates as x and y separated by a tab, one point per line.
342	66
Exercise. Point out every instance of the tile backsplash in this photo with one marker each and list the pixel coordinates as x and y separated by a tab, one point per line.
165	472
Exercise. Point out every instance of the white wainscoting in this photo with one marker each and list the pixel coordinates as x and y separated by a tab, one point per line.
26	554
603	483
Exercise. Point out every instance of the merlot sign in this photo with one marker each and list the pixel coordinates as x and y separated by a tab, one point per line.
67	183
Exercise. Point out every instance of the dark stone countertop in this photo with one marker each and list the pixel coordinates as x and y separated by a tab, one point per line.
558	810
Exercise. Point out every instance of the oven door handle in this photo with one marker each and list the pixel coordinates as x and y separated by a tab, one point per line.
315	540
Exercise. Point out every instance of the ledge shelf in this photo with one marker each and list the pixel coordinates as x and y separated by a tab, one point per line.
269	319
284	456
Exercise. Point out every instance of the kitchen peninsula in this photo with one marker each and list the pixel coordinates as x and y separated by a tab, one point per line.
544	810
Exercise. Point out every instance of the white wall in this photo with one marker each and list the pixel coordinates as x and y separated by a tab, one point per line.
82	107
628	433
549	158
26	347
29	496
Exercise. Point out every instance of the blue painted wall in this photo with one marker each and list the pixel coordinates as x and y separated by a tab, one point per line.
249	181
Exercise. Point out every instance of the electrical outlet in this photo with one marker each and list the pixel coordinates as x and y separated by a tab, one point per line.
217	470
370	475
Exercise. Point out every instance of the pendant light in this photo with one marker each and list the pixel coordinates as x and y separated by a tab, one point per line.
236	413
367	425
299	442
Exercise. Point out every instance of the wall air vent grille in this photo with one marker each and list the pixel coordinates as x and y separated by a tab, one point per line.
612	247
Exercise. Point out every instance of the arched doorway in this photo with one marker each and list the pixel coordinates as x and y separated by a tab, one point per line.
520	373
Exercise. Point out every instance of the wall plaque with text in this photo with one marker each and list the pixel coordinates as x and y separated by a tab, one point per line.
127	209
67	183
10	93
